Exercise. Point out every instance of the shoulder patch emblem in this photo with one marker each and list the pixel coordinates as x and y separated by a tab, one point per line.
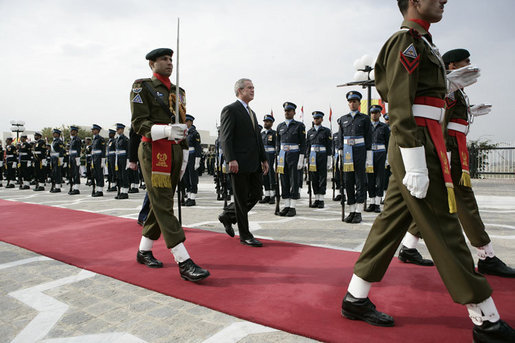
410	59
137	90
137	99
410	51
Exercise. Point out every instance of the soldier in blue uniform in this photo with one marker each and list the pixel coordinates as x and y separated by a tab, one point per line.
291	144
74	160
134	140
98	154
11	162
269	138
2	168
111	161
356	138
319	144
87	154
337	165
25	159
39	152
380	138
122	173
56	158
190	177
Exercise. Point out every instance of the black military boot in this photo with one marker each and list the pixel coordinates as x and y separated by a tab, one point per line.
272	201
292	212
148	259
413	256
55	190
97	194
265	200
370	208
357	218
191	272
133	190
10	185
315	204
122	196
349	217
489	332
320	204
338	197
190	202
284	211
39	189
377	209
363	309
494	266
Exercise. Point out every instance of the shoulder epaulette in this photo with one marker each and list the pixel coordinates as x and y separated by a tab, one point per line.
141	80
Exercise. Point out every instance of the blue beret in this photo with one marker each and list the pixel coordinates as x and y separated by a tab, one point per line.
353	95
375	108
190	117
56	131
74	128
154	54
96	127
289	106
120	126
269	117
317	114
386	116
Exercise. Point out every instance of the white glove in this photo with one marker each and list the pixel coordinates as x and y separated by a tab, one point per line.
185	156
417	176
329	162
61	160
386	163
462	77
103	163
369	162
77	161
14	164
65	165
178	132
340	152
300	164
1	164
43	163
480	110
197	163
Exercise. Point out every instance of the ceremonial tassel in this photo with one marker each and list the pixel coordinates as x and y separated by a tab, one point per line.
370	169
161	180
465	179
348	167
451	198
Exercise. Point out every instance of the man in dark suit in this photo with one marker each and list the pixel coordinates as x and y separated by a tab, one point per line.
243	149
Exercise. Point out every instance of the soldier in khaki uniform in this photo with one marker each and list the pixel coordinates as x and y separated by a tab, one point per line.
410	76
458	116
162	150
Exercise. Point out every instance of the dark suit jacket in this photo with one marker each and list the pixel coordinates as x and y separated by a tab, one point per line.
240	140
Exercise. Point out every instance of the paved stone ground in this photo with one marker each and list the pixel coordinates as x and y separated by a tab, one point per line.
95	308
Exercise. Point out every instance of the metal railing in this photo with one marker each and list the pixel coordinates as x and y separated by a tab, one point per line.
493	162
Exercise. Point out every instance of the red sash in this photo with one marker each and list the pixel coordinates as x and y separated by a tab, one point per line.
161	162
435	132
461	139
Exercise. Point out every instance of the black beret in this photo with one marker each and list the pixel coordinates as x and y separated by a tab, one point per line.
455	55
154	54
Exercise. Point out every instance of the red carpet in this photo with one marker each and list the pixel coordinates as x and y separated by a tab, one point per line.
291	287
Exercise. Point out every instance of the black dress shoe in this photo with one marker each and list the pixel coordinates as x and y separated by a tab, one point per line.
11	185
363	309
88	183
265	200
98	194
489	332
272	201
112	189
292	212
284	211
227	224
122	196
349	217
39	189
357	218
494	266
146	258
191	272
55	190
338	197
190	202
314	204
370	208
251	242
320	204
413	256
74	192
378	209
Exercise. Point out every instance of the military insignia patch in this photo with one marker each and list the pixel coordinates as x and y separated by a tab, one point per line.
137	99
410	51
137	90
159	94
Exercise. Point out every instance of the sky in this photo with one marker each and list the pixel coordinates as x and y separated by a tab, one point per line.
74	61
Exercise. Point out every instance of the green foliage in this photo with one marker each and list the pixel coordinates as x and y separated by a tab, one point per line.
478	151
65	133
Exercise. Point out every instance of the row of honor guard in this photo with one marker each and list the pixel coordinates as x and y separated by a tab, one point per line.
361	142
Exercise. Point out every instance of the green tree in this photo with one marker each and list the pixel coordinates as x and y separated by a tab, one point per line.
478	151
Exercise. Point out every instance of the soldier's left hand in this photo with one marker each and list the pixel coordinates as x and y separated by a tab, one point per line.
480	110
462	77
265	167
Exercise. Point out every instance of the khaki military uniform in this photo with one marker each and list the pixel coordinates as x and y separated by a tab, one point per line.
468	212
400	82
146	112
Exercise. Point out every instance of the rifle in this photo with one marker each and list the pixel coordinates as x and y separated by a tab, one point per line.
218	174
333	180
92	176
342	188
277	189
308	177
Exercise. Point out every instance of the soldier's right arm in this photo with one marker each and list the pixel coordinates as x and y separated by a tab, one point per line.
397	84
140	100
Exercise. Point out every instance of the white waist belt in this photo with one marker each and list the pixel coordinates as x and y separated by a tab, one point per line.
36	152
121	152
288	147
54	154
95	152
22	153
111	152
458	127
270	149
353	141
191	148
378	147
429	112
73	151
318	148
